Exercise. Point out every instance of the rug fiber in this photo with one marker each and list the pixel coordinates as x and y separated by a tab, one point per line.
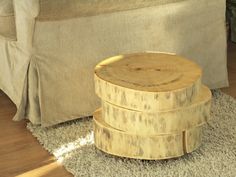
73	145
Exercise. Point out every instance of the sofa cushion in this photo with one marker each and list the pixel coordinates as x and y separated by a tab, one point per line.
64	9
7	20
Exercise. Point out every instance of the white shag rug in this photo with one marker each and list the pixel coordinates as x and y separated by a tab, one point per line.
72	144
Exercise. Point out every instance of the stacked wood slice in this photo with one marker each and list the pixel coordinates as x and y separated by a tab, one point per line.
153	106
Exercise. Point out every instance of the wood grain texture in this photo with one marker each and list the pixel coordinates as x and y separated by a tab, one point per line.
164	122
20	153
148	81
126	144
193	138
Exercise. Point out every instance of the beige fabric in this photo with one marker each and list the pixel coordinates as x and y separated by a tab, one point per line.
15	56
7	20
64	9
6	7
52	61
7	27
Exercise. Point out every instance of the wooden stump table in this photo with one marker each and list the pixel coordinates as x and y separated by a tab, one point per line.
153	106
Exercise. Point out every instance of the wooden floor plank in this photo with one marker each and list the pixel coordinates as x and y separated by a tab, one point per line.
20	153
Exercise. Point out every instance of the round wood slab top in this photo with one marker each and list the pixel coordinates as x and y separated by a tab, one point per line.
153	72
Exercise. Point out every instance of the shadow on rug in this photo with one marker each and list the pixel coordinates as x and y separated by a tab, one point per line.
73	145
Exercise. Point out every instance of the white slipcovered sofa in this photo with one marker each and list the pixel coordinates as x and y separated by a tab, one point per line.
48	48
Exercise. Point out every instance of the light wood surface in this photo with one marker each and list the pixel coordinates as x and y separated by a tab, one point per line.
148	81
20	153
165	122
152	103
14	163
153	147
193	139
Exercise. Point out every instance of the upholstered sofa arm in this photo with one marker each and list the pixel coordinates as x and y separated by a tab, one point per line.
25	13
64	9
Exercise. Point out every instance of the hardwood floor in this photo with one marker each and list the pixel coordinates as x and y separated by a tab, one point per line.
20	153
231	90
